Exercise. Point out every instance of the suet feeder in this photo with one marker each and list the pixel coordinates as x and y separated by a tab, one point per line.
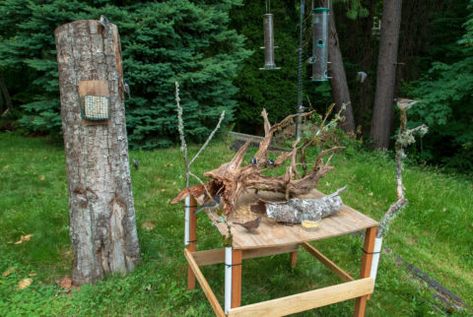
268	47
320	27
95	108
94	100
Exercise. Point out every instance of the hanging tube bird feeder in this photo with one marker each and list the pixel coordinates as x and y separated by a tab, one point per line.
320	28
268	47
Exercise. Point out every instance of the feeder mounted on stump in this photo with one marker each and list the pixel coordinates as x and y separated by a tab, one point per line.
101	209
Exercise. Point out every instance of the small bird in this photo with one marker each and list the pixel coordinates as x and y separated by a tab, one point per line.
126	87
136	164
361	76
104	21
270	163
404	103
254	161
250	225
105	24
213	204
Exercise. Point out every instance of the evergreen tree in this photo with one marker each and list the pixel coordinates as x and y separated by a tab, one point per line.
183	40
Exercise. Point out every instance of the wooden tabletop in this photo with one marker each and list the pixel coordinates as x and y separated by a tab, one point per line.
271	234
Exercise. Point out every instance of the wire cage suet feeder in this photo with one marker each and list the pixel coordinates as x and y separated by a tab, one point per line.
95	108
320	28
268	47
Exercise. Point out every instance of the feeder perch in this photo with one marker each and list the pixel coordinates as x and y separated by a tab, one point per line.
320	27
268	47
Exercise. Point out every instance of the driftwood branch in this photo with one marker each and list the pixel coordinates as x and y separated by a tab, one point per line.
404	138
231	179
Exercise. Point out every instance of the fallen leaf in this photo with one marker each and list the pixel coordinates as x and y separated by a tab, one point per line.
24	238
42	177
9	271
32	274
148	225
65	282
24	283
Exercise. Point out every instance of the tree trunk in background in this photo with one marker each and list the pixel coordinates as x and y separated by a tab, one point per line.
6	95
340	91
386	74
102	213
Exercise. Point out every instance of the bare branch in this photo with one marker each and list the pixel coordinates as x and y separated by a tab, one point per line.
222	115
180	127
404	138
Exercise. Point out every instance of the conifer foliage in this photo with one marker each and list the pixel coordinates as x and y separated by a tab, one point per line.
162	42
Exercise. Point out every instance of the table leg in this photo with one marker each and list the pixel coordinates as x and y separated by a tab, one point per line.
192	242
368	247
237	256
293	259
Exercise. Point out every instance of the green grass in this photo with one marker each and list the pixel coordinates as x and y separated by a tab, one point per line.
434	233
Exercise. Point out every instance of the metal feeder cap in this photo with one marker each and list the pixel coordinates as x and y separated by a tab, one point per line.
321	9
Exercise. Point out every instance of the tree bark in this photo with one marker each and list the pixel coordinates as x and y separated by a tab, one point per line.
296	210
4	92
386	75
340	91
102	213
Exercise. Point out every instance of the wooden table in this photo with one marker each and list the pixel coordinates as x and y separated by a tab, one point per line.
270	239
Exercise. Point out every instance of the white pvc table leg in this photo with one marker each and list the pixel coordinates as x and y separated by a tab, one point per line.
228	279
378	242
187	217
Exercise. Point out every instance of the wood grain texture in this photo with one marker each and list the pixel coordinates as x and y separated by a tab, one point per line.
307	300
192	246
102	213
205	285
237	257
93	88
327	262
271	234
366	260
216	256
293	259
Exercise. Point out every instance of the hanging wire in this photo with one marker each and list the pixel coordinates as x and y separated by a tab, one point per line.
268	6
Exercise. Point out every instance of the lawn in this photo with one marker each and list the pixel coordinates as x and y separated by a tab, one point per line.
434	233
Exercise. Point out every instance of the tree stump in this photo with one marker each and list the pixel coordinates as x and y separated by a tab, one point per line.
102	213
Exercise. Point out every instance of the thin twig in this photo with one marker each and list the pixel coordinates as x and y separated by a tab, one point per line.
222	116
180	127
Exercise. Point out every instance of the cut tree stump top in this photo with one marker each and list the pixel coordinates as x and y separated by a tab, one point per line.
272	234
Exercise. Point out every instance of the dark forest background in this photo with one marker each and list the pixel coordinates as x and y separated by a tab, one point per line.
213	49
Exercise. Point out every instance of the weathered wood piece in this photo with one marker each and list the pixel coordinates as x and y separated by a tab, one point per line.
296	210
231	179
102	213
